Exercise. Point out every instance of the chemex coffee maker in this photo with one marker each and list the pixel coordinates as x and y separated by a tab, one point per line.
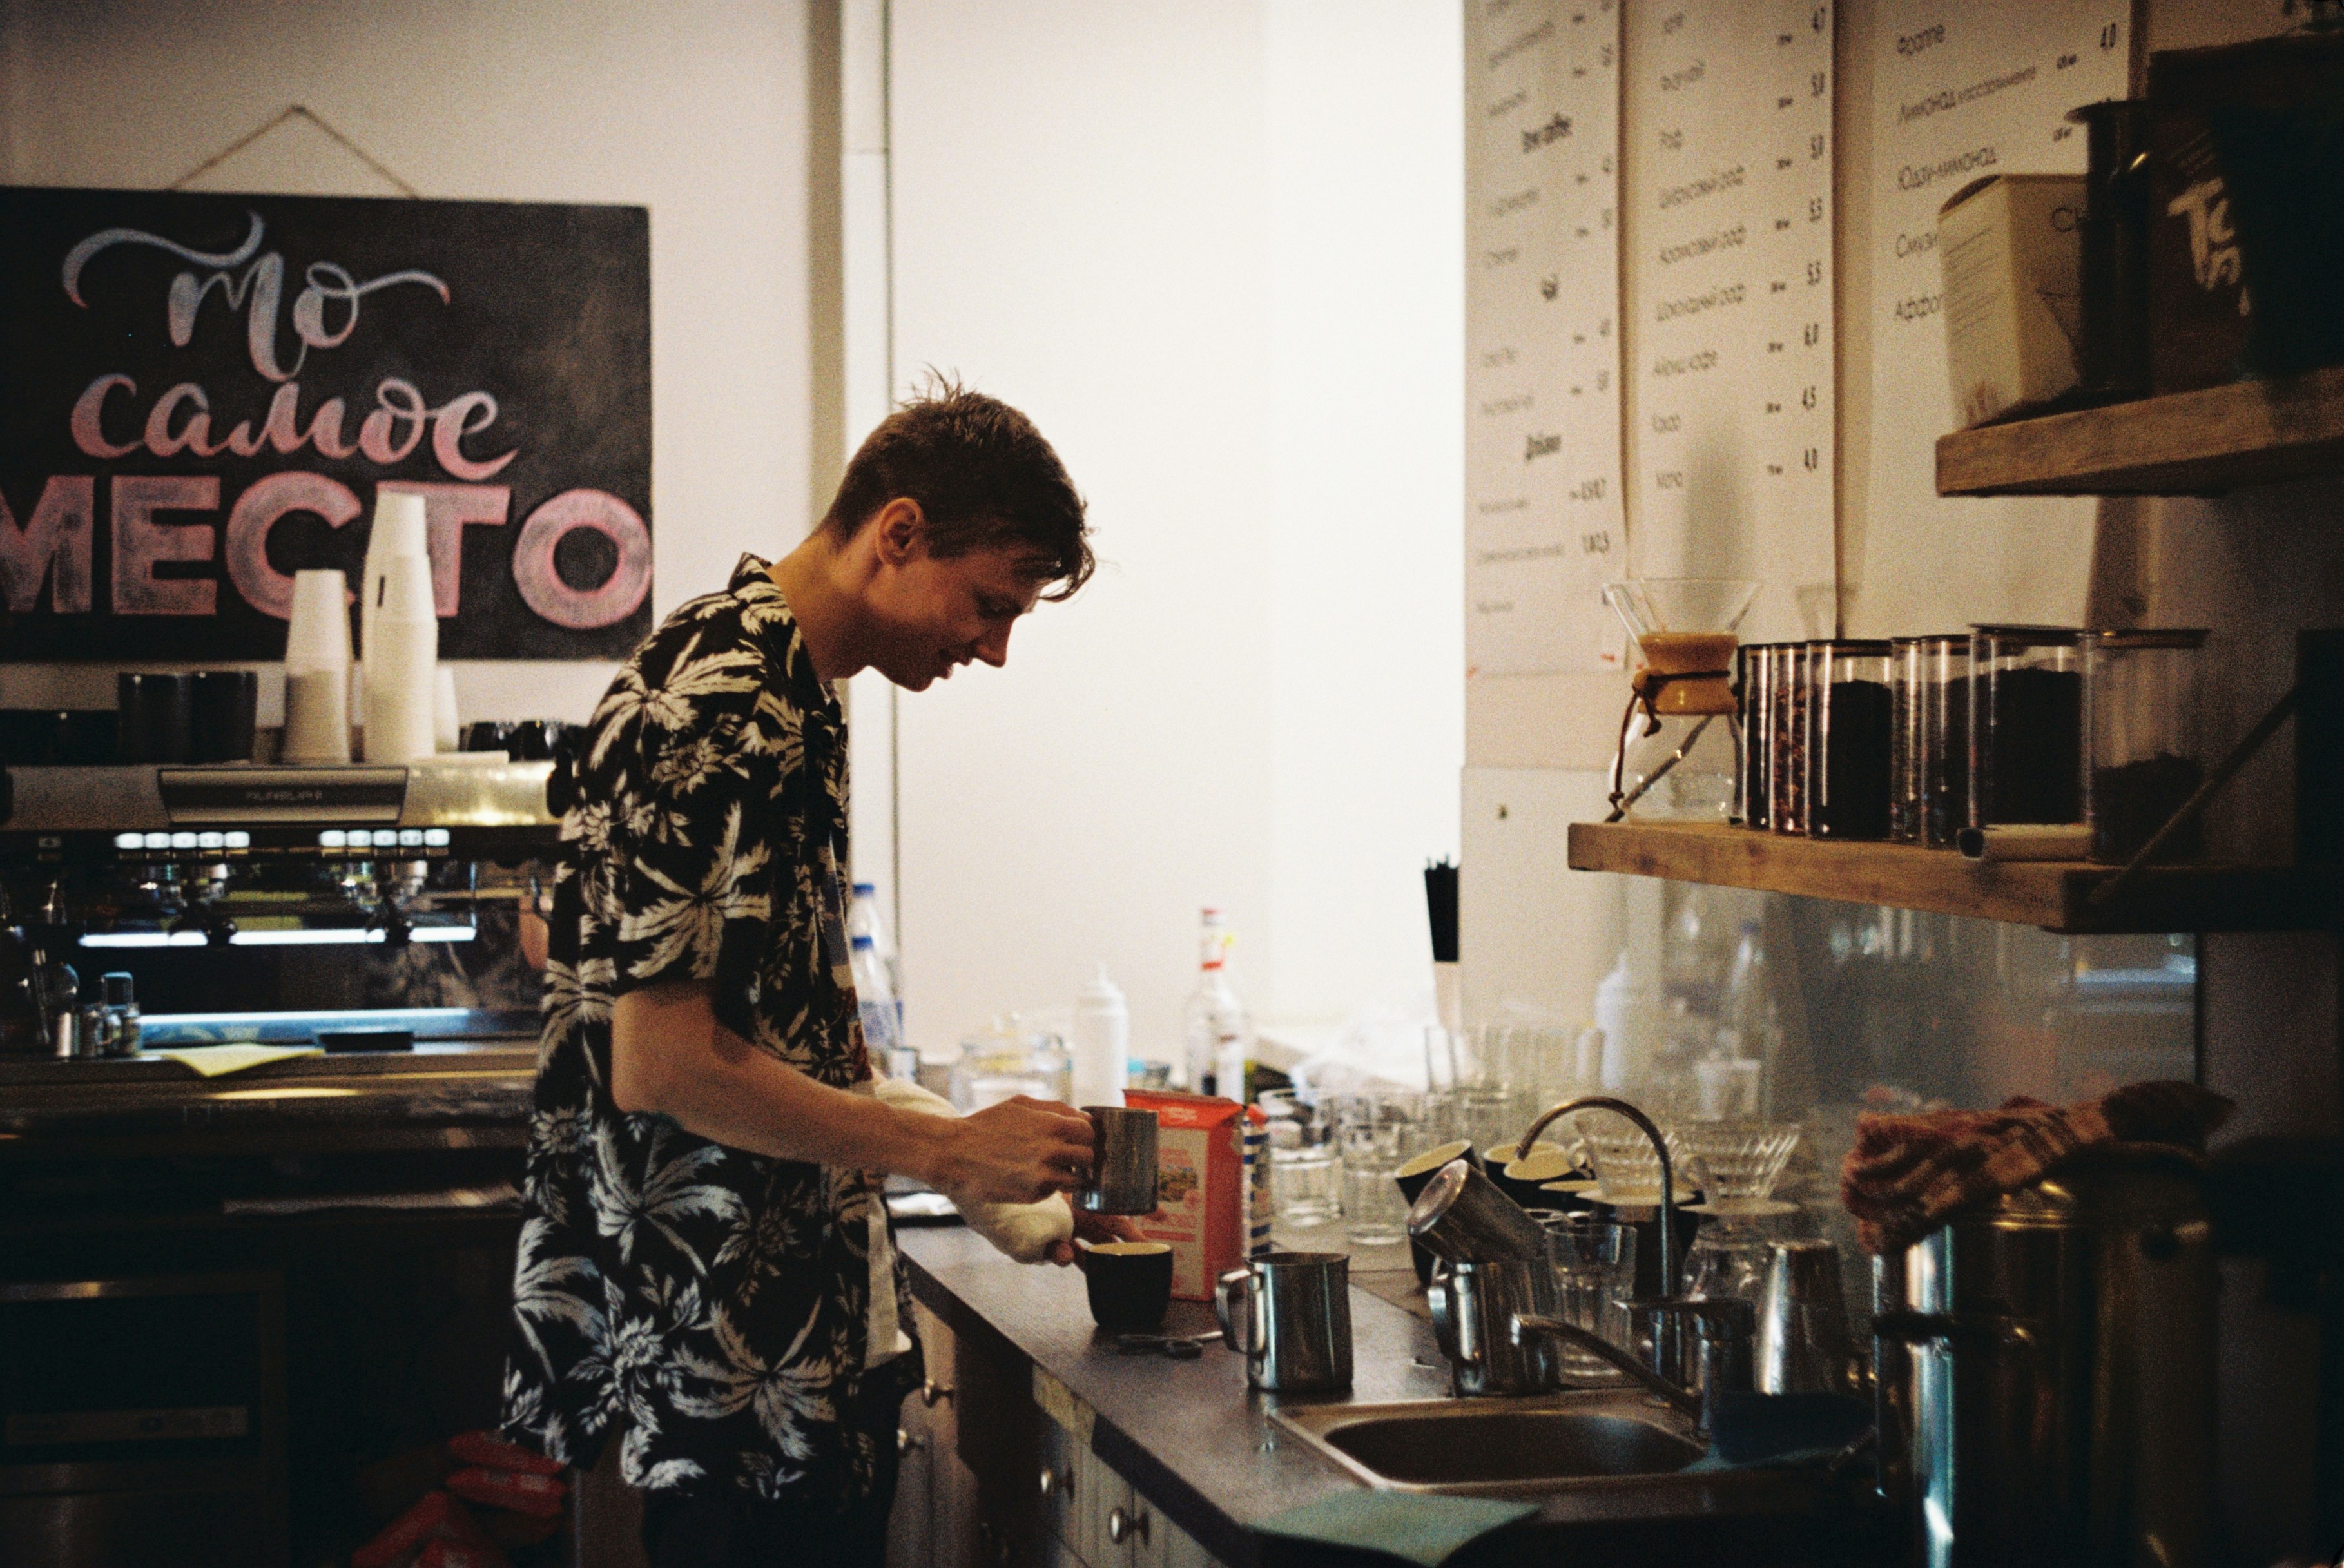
121	857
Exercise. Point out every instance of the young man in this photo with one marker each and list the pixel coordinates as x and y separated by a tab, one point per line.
705	1259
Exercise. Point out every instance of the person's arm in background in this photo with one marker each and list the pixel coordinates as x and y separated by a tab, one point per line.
669	1056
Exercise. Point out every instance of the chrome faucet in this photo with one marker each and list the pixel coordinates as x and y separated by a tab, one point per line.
1724	1326
1669	1277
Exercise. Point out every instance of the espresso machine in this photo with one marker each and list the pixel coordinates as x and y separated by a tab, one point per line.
125	868
221	1286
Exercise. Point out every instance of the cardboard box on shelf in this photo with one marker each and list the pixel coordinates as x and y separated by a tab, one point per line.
2012	249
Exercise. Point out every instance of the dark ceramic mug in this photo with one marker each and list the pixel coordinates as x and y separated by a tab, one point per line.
1130	1284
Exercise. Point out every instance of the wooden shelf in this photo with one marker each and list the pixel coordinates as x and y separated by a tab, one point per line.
2185	443
2054	894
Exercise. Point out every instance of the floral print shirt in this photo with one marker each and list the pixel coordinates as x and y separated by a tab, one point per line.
710	1302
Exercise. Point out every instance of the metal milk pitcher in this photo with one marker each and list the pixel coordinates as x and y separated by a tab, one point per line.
2047	1370
1289	1315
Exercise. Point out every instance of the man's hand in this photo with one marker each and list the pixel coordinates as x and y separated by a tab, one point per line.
1019	1151
1094	1229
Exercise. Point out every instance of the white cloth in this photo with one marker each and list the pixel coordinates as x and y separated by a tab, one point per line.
1025	1231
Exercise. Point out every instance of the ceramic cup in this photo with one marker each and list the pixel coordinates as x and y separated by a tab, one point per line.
1412	1177
1130	1284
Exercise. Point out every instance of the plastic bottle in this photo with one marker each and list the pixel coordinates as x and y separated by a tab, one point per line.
865	922
1102	1043
1220	1035
875	998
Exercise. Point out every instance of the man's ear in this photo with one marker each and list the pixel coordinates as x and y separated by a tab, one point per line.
899	531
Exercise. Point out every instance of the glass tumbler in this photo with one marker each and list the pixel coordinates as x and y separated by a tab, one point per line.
2027	725
1848	740
2141	721
1787	769
1374	1135
1757	691
1594	1263
1306	1173
1944	693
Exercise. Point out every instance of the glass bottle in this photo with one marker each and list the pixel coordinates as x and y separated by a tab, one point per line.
1677	754
1757	691
1220	1034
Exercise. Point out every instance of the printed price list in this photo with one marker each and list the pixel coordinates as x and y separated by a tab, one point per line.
1543	523
1730	291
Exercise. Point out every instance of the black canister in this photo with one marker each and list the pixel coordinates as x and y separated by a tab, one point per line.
227	703
154	718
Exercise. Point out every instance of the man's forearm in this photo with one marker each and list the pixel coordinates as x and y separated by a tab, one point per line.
669	1054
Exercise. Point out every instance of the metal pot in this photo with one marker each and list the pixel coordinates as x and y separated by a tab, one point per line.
2047	1370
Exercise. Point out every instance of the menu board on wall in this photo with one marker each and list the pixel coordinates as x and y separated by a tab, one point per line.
1958	92
207	393
1729	283
1543	528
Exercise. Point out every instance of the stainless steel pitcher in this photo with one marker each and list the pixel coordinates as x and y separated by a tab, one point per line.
2047	1370
1289	1315
1474	1309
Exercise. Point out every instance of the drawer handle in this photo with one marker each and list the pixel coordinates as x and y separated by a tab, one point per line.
906	1442
932	1392
1121	1526
1057	1485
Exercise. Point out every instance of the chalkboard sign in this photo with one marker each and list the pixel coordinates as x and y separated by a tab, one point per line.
206	394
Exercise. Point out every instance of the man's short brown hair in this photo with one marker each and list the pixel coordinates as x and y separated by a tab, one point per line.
984	477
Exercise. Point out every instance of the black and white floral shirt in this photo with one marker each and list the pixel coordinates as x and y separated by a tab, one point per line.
713	1303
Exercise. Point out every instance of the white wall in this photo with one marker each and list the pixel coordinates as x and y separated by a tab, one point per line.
1214	251
698	111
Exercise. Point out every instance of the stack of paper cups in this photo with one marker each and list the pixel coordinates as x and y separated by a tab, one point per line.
402	662
447	729
317	670
399	532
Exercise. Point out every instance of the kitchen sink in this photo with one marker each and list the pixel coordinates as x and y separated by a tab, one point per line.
1513	1446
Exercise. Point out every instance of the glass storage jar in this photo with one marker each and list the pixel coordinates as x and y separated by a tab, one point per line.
1848	740
1905	711
1945	694
1786	770
2027	725
1756	685
2142	726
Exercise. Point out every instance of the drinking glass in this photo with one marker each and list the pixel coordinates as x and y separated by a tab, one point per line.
1375	1134
1306	1173
1594	1263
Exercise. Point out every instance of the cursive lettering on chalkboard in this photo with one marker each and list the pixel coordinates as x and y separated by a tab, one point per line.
1916	244
323	314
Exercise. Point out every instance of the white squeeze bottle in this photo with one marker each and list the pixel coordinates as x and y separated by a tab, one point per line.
874	996
1102	1043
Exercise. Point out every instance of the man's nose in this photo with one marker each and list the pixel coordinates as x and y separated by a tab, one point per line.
994	649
